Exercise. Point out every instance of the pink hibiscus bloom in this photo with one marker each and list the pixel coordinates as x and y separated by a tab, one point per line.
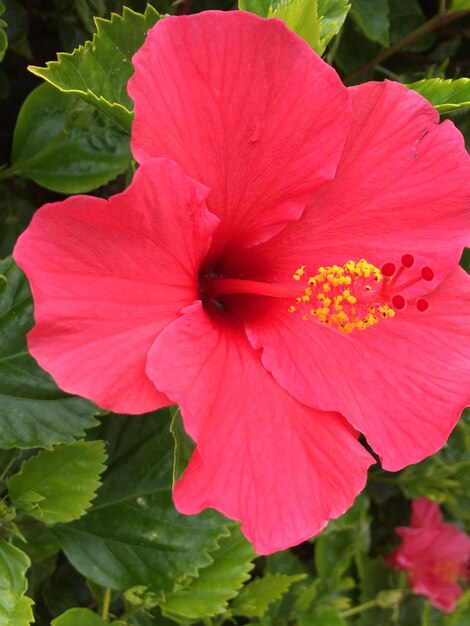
434	554
255	162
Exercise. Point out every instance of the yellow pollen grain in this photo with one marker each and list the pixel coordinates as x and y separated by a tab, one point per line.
341	296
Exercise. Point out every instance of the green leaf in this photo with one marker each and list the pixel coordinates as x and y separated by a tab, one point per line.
372	19
15	607
184	445
258	7
254	598
316	21
65	144
99	71
133	534
207	595
332	14
460	5
58	485
3	35
79	617
446	95
322	616
33	411
405	17
300	16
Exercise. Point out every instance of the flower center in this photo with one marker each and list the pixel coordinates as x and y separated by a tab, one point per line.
358	295
447	570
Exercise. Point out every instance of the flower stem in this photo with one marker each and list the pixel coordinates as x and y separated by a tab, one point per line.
106	603
359	608
428	27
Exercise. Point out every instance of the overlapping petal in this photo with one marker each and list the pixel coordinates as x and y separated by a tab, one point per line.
403	383
402	186
282	468
107	276
245	107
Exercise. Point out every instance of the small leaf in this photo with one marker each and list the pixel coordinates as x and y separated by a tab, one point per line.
300	16
254	599
66	145
58	485
372	19
133	534
332	14
258	7
15	607
79	617
446	95
460	5
33	411
184	445
99	71
3	35
316	21
208	593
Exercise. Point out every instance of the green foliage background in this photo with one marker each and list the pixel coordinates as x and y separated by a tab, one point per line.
88	532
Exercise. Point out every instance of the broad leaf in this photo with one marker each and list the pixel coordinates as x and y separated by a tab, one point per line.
133	534
33	411
58	485
372	19
254	598
446	95
79	617
208	593
99	71
405	17
65	144
460	5
15	607
3	35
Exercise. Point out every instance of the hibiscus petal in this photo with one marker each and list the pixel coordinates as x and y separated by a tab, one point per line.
402	186
403	383
107	276
262	457
425	513
244	106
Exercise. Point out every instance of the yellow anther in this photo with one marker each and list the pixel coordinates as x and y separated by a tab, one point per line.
343	296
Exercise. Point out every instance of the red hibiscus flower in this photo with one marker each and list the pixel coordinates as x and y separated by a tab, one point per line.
434	554
283	266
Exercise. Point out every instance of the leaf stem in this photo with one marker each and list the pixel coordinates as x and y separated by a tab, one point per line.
428	27
106	603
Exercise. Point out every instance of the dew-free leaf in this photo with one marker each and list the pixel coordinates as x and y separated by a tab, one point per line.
79	617
372	19
316	21
254	599
58	485
65	144
99	70
15	607
447	96
33	411
133	534
208	593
